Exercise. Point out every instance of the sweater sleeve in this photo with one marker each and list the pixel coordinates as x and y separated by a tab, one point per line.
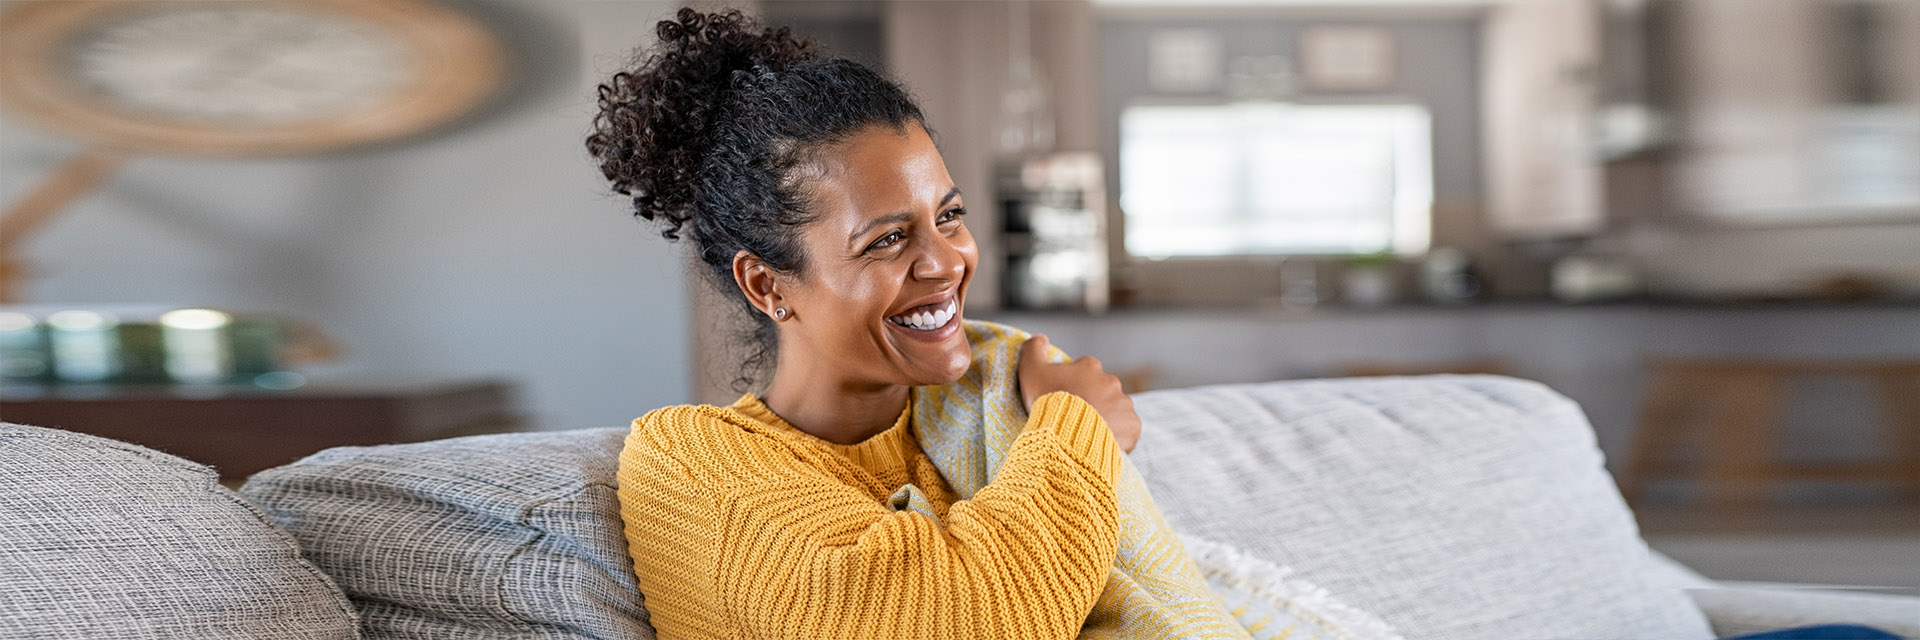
1027	556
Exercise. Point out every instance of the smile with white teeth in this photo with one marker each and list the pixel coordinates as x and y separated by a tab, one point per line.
926	320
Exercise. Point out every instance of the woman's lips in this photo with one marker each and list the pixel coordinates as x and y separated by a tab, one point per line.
945	326
930	317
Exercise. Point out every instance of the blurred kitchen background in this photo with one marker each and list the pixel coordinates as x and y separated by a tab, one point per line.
1698	218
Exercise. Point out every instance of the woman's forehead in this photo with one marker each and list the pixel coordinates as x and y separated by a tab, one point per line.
881	171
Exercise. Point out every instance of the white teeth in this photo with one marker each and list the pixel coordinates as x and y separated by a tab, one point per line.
926	320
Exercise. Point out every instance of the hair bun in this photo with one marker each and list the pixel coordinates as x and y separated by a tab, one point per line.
656	122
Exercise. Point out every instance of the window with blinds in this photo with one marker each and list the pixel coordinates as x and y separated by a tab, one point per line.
1252	179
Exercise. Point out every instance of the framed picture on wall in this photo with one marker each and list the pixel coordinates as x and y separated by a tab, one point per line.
1185	60
1347	58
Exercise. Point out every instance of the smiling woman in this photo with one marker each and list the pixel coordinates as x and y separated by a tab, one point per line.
812	193
879	303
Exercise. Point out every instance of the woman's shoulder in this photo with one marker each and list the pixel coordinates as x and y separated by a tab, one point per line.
688	423
688	430
981	333
684	441
995	342
724	449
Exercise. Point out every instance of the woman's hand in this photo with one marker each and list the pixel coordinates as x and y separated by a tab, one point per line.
1081	377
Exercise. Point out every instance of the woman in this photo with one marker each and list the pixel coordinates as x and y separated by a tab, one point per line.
813	194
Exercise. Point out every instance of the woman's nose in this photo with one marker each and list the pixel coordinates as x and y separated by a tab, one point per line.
941	261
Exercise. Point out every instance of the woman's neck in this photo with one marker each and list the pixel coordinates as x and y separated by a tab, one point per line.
830	408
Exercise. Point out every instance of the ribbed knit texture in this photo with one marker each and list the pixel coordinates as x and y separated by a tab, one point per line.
742	526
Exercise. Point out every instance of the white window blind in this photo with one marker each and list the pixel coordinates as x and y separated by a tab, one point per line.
1275	179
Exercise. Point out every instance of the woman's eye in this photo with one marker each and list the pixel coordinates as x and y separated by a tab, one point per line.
953	214
892	238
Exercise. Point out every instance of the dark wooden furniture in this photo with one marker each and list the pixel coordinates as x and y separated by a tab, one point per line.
242	430
1735	404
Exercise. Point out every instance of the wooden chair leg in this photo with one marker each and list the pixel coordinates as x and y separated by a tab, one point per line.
1662	419
1899	392
1745	408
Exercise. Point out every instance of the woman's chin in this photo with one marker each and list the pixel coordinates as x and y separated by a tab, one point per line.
939	356
943	363
943	369
958	363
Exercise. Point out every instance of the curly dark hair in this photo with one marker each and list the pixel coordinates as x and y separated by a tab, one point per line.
710	131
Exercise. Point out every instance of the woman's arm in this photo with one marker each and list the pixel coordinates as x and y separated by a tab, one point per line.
1027	556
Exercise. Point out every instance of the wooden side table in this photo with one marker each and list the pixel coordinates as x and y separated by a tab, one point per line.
243	430
1735	403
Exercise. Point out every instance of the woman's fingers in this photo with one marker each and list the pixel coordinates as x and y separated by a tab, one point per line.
1033	359
1034	350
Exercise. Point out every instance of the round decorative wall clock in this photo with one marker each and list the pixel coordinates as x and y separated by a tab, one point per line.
226	78
242	77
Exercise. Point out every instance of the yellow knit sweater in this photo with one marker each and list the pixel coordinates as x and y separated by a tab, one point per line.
742	526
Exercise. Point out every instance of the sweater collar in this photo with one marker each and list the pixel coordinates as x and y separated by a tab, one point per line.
885	444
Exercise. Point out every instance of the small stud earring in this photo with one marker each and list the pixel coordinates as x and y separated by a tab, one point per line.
780	313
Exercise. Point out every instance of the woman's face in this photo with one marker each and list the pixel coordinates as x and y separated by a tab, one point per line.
889	258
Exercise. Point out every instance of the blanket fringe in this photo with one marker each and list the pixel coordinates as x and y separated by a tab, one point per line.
1275	583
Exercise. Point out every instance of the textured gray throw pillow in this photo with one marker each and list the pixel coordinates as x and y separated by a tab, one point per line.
500	536
1453	507
101	539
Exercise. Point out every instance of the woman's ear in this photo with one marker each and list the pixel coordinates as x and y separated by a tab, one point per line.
758	282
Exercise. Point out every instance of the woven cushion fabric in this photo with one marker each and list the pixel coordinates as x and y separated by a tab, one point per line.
498	536
104	539
1452	507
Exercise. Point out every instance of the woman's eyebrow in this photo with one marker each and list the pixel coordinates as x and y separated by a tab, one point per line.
889	218
899	217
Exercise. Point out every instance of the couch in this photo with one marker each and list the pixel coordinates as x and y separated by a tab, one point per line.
1451	507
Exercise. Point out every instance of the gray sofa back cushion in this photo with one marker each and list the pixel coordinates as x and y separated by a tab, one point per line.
502	536
101	539
1453	507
